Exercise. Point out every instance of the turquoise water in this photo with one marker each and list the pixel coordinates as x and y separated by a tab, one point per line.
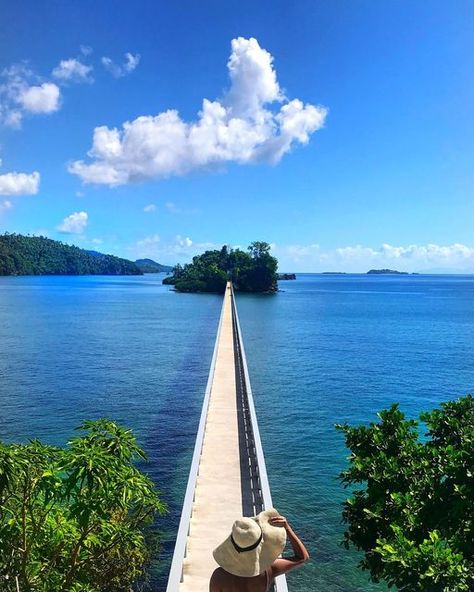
326	349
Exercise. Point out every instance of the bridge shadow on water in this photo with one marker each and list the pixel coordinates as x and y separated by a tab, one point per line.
170	443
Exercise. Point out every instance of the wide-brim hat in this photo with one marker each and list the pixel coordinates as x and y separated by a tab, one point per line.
252	546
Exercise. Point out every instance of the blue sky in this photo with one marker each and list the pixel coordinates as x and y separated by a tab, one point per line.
340	132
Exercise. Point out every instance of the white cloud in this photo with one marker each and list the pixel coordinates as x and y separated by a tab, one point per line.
147	243
5	205
19	183
22	92
359	258
74	224
253	79
72	70
15	79
13	118
179	249
132	61
183	241
119	70
12	84
40	99
86	50
150	208
242	127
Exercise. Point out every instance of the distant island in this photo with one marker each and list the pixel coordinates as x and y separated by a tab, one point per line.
150	266
386	272
38	255
334	273
251	271
286	276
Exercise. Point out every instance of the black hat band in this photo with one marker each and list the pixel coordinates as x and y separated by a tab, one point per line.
244	549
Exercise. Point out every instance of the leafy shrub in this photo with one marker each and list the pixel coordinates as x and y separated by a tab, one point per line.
413	517
75	518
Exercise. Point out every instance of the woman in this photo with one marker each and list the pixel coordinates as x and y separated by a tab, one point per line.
249	558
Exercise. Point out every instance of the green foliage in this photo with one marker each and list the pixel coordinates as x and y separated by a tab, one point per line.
37	255
75	518
414	516
254	271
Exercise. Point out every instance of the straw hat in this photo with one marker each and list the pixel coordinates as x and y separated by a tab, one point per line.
253	545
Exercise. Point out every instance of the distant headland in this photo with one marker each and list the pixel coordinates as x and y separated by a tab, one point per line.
150	266
38	255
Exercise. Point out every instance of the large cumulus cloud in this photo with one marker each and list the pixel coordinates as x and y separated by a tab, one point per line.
253	122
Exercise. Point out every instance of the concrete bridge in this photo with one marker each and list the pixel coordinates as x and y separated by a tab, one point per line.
228	478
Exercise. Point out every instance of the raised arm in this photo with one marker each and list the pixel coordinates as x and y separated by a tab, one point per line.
300	553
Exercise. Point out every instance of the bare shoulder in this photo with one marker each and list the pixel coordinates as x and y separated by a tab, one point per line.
282	566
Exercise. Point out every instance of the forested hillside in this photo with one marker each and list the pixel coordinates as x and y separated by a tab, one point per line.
37	255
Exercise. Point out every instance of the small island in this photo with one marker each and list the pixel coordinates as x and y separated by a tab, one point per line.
251	271
286	276
386	272
38	255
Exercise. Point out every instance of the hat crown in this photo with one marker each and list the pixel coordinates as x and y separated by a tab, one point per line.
252	547
246	532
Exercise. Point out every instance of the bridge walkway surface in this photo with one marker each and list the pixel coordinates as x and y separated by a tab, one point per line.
228	477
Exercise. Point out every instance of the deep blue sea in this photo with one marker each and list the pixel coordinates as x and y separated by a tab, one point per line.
324	350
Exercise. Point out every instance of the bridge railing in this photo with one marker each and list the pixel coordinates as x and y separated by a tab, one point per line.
255	449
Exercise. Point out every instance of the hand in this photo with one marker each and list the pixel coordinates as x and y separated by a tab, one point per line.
279	521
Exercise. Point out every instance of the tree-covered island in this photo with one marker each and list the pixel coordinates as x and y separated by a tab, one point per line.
38	255
386	272
251	271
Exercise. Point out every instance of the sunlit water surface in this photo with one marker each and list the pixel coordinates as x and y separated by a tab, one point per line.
324	350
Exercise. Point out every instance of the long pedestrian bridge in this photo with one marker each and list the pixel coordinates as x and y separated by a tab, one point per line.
228	478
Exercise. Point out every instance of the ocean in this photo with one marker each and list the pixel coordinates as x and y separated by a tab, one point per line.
324	350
